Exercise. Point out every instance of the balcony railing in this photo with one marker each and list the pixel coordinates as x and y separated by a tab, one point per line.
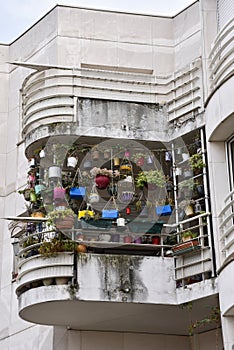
192	259
227	227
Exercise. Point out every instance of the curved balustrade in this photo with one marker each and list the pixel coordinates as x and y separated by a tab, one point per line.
222	55
51	96
227	227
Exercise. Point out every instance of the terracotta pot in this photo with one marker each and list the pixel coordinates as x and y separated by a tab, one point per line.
38	214
81	248
102	181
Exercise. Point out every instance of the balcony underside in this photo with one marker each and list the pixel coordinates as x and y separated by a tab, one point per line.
111	316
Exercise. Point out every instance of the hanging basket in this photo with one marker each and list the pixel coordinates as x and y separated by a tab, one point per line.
77	192
102	181
110	211
59	193
72	162
93	196
54	172
164	210
126	190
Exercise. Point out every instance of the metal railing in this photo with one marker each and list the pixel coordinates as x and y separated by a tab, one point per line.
193	262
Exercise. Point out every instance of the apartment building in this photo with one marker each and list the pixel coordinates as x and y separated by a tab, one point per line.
121	125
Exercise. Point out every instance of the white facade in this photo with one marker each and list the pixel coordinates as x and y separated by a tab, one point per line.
96	76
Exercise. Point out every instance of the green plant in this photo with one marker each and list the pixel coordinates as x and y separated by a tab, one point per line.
186	184
55	246
188	234
135	157
212	317
30	241
151	177
196	161
59	214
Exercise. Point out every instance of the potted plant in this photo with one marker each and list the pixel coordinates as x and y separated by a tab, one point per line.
196	162
187	206
188	235
103	176
30	242
139	158
61	219
149	178
56	245
186	187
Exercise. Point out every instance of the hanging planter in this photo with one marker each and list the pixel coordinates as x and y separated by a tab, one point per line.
164	210
189	210
116	161
93	196
77	192
54	172
110	211
33	196
107	154
102	181
72	162
39	189
59	193
102	176
95	155
87	164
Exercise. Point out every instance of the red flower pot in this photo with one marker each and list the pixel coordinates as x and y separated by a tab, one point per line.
102	181
140	161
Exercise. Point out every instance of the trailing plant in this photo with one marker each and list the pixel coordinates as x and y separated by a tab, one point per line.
212	318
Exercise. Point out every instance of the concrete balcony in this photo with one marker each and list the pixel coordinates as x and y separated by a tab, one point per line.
111	292
67	98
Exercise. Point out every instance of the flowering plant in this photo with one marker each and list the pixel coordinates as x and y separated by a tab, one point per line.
104	171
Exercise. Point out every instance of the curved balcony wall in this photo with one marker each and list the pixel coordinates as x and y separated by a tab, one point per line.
53	96
129	287
222	56
227	229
